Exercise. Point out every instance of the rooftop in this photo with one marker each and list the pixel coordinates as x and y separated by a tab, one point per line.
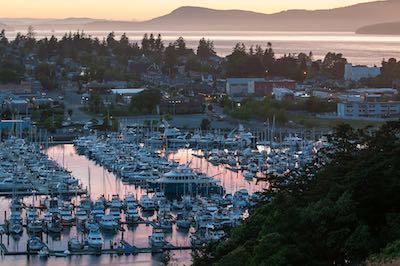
127	91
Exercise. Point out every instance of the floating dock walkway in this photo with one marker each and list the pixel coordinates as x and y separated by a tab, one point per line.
124	248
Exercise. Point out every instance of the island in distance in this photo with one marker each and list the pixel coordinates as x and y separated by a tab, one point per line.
390	28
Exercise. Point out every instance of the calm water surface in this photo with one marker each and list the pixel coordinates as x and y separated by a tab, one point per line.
359	49
104	182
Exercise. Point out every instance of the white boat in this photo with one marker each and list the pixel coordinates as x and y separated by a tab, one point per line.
100	203
154	140
130	201
159	195
10	184
95	240
108	222
157	238
98	214
127	171
66	216
183	181
131	215
35	244
116	202
31	214
178	140
214	235
15	216
248	175
15	228
292	141
35	226
196	240
54	226
177	205
74	244
144	175
182	221
47	216
85	203
91	225
116	213
165	224
65	253
53	205
81	215
147	204
231	161
44	252
16	203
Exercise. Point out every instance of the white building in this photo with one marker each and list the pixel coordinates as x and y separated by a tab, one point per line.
366	94
355	73
282	93
382	91
354	110
323	94
241	86
127	94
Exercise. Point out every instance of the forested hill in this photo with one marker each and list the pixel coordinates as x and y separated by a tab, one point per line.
191	18
341	214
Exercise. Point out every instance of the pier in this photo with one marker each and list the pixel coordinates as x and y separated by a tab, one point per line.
123	249
43	192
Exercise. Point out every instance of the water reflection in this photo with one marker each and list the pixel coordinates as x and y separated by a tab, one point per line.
230	180
106	183
358	49
92	176
100	182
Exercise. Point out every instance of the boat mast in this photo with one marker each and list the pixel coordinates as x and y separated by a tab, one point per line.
90	187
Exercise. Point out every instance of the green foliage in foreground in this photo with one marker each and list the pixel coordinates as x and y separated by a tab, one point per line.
338	214
390	252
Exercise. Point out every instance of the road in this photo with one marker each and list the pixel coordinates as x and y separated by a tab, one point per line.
72	100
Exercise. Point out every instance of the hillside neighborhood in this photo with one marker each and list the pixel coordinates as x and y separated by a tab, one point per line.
77	80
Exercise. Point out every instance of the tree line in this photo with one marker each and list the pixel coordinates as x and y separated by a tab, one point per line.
108	58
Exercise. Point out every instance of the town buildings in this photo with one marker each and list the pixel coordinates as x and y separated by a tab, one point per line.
125	95
355	73
369	103
241	87
366	109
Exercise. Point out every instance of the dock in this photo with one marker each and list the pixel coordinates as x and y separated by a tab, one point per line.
43	192
124	248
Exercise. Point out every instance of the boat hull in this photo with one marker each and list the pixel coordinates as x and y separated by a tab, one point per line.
179	189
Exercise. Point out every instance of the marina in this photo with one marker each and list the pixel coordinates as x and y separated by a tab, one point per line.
138	192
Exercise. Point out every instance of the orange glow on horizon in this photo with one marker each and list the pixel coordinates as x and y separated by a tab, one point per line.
143	10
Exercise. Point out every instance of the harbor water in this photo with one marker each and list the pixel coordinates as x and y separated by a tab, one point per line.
100	181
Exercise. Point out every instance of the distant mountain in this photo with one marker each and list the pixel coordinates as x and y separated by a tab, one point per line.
390	28
339	19
348	18
21	24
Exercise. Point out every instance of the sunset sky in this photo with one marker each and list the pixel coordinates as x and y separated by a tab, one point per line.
142	10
